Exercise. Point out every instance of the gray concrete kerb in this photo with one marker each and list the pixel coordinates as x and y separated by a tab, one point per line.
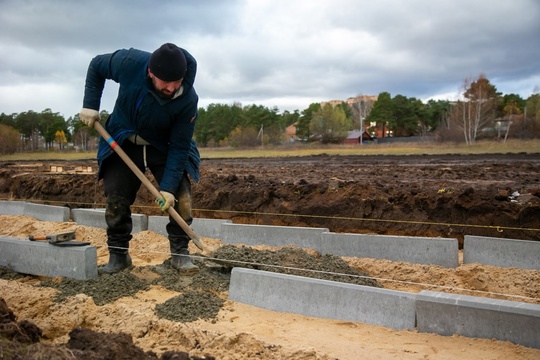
271	235
41	258
96	218
323	298
449	314
415	250
202	227
47	212
12	207
523	254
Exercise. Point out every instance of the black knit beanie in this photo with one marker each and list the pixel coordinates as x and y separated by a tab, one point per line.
168	63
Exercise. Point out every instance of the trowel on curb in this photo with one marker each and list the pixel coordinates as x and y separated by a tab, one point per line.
59	239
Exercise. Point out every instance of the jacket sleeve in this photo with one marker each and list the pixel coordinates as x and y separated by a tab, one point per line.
101	68
178	156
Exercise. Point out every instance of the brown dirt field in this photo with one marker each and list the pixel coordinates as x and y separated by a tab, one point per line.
448	195
420	195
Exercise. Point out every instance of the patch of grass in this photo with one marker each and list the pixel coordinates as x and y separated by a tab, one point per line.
49	155
480	147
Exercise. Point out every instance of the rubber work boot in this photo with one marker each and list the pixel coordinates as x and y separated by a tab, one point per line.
182	262
117	263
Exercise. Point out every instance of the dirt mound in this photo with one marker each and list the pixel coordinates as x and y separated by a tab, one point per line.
21	340
293	261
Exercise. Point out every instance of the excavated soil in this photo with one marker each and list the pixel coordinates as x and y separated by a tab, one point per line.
428	195
149	312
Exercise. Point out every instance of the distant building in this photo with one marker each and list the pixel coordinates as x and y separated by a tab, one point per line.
362	98
356	137
290	133
334	103
369	99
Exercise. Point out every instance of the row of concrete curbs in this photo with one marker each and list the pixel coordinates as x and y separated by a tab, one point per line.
444	252
427	311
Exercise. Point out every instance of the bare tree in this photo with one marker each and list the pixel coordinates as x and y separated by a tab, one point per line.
83	139
361	106
477	109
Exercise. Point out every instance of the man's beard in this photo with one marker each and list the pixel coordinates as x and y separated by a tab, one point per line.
160	93
165	95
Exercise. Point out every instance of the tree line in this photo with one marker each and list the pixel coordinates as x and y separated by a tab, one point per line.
45	131
480	112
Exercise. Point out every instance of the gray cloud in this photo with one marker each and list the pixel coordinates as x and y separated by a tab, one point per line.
273	52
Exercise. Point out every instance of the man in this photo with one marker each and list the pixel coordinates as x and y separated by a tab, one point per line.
153	121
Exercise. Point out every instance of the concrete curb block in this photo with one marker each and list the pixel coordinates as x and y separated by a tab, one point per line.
323	298
202	227
42	258
417	250
211	228
96	218
12	207
435	312
449	314
157	224
47	212
272	235
501	252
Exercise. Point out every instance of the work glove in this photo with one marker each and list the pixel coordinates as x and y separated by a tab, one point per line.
166	201
89	116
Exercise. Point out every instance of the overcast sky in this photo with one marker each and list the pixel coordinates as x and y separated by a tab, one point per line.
282	53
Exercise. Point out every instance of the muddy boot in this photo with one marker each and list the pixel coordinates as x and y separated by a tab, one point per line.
117	263
119	226
181	261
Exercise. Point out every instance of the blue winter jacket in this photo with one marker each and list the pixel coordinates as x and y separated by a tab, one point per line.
167	124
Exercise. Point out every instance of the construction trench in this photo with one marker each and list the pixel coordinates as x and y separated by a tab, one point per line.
427	311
